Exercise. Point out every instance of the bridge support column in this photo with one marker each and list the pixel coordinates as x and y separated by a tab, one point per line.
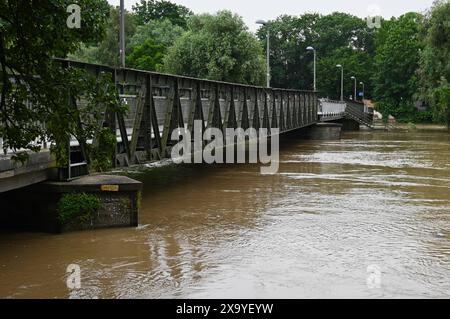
349	125
324	131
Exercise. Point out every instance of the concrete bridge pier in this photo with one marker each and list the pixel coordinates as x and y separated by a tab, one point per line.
87	203
324	131
349	125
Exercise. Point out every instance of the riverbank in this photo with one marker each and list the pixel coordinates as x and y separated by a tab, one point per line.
419	127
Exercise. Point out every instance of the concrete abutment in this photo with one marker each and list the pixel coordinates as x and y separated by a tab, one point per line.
36	208
324	131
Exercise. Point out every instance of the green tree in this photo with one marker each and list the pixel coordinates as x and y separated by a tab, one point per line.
356	63
289	38
106	50
398	47
342	30
147	56
331	35
149	44
150	10
217	47
435	61
162	32
30	76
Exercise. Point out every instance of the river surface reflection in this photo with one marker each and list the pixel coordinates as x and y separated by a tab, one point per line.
336	208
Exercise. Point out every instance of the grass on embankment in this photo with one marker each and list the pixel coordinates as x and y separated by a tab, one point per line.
420	127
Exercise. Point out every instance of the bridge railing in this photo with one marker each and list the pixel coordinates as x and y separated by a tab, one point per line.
329	109
360	112
159	103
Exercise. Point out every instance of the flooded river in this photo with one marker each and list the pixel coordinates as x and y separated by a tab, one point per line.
367	216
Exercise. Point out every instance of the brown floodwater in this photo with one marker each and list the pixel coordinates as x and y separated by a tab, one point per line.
336	208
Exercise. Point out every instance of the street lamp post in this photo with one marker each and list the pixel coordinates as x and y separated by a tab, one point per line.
363	91
315	59
342	80
354	79
122	34
264	23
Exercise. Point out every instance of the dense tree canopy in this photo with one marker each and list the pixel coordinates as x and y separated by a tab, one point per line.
150	43
147	56
434	71
106	51
162	32
289	38
29	74
217	47
396	62
356	63
337	38
151	10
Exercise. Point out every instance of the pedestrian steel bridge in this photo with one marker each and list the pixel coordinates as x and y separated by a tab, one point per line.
330	110
159	103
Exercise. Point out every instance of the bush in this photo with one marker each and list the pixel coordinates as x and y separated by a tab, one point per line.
78	206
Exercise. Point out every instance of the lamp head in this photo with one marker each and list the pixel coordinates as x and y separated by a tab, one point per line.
310	48
339	66
263	22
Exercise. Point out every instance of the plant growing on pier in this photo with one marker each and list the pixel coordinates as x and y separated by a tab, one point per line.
80	207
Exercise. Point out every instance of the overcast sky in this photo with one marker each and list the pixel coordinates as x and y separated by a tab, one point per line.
252	10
